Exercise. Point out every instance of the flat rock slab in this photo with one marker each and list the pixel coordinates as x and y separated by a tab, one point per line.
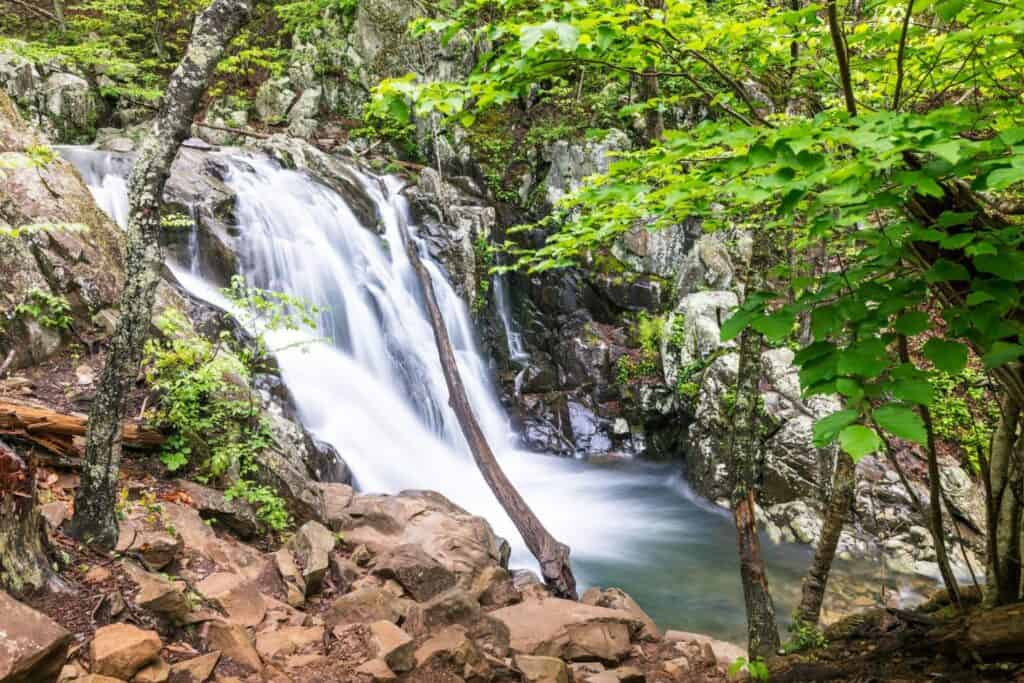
725	653
33	647
568	630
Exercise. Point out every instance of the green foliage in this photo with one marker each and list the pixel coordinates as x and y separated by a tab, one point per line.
484	261
176	221
804	637
206	395
50	310
307	19
757	669
629	369
936	141
964	413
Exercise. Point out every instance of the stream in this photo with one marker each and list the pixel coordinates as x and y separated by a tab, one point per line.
374	389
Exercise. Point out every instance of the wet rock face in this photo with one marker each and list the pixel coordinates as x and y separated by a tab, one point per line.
456	220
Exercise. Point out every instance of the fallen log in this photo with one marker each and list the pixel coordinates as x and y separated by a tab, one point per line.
57	432
552	555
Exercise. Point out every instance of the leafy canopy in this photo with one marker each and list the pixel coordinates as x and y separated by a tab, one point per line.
908	190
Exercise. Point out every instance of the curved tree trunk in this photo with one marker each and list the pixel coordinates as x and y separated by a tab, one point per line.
94	519
24	547
839	506
552	555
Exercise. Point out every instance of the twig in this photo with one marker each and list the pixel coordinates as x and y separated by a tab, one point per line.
900	55
236	131
37	10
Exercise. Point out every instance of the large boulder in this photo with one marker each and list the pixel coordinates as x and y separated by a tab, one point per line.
33	647
77	262
461	543
568	630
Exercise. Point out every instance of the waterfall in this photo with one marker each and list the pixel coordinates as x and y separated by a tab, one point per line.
514	338
375	390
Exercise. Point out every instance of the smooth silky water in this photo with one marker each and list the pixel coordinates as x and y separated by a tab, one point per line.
375	390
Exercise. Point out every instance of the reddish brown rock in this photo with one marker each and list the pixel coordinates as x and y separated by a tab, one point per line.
418	573
568	630
195	670
33	647
120	650
234	643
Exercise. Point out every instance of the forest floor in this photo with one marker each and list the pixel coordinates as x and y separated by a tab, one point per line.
933	643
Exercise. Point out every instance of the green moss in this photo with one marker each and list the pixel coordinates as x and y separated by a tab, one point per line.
963	413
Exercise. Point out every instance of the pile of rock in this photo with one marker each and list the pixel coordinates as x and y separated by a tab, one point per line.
381	588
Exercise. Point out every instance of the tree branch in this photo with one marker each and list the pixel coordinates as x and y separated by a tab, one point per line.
901	55
39	11
839	43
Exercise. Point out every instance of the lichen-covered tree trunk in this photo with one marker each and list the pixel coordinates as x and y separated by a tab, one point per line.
94	519
552	555
839	506
744	449
24	548
1005	480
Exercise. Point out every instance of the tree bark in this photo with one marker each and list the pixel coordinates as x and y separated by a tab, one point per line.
649	89
1004	479
94	519
839	507
58	13
24	547
56	432
744	448
552	555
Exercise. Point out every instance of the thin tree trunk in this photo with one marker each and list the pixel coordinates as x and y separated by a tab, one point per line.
58	12
934	493
94	519
649	89
744	449
24	547
839	507
552	555
1004	511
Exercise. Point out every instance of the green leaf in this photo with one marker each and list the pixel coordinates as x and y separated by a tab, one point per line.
912	323
902	421
776	326
827	428
913	390
736	323
863	360
1009	266
947	356
1002	353
944	270
949	150
859	441
1002	178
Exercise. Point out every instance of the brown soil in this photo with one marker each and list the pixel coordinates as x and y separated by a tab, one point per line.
894	646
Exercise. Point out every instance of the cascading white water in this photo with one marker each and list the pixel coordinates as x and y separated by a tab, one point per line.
375	391
513	337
